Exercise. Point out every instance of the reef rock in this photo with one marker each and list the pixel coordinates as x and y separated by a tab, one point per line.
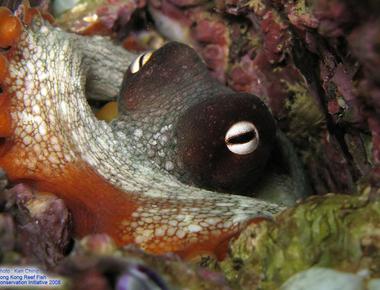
335	231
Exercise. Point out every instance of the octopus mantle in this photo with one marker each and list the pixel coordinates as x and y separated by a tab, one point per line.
51	140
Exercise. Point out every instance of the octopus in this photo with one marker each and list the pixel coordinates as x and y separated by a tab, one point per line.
144	178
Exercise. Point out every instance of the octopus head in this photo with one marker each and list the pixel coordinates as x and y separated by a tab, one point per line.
219	139
225	141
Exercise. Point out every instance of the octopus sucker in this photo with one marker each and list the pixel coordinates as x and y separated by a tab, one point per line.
57	145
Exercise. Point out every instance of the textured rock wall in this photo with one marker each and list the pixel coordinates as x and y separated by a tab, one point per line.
314	62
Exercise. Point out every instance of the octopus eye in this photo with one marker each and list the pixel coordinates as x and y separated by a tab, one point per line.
242	138
139	62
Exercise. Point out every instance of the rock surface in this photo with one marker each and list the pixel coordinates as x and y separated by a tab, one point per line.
335	231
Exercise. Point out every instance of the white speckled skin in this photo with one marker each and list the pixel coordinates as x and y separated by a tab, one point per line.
53	122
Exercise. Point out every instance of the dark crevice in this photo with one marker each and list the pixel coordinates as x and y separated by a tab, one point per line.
308	63
4	49
140	20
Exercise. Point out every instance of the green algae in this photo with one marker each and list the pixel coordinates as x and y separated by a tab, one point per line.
303	7
306	119
257	5
335	231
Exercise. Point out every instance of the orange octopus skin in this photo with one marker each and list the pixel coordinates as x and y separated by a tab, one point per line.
51	140
10	28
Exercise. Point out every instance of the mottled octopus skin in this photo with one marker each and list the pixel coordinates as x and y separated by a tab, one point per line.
52	141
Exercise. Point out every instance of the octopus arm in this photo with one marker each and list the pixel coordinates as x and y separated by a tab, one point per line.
51	140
